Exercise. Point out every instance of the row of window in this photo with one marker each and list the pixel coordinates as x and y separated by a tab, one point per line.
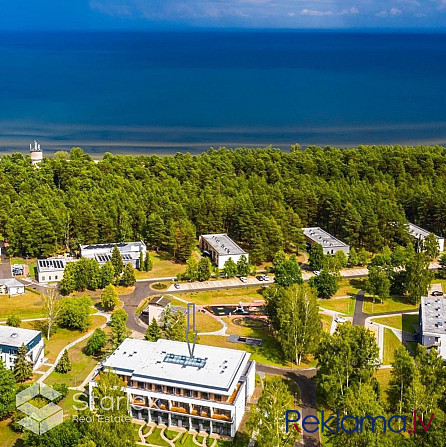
50	278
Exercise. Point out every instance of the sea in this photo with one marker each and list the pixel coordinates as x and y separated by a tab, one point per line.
166	92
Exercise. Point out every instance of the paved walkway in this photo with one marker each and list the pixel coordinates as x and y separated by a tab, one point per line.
70	345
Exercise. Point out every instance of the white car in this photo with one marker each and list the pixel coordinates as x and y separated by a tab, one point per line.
317	272
176	285
340	320
265	278
243	279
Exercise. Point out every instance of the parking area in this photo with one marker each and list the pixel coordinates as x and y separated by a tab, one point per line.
218	284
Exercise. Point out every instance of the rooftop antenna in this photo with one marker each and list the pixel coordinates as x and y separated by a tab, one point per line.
188	329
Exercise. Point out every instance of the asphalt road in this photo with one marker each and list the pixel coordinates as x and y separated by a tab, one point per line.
5	266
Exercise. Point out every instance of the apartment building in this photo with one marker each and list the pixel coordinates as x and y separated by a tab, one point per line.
208	392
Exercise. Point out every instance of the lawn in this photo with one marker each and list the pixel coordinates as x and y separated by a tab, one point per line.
63	336
393	304
224	296
8	437
348	287
383	377
28	305
206	323
405	322
341	305
391	344
326	322
81	366
155	438
163	267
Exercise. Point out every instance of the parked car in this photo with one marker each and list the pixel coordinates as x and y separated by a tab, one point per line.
340	320
243	279
260	278
176	285
437	293
265	278
317	272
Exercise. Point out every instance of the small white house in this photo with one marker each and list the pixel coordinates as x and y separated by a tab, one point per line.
12	338
220	247
155	309
10	286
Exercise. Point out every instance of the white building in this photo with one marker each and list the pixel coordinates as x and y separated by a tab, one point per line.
421	234
10	286
11	338
316	235
36	153
208	392
51	269
220	248
130	252
432	319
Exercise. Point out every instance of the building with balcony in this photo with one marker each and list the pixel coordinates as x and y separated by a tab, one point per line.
208	392
130	252
330	245
12	338
432	320
420	234
220	247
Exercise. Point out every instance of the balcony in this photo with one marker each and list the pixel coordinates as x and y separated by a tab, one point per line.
221	417
178	409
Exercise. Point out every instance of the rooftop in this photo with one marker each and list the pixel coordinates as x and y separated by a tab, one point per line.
159	301
51	264
223	244
108	248
11	282
433	314
418	232
320	236
16	337
168	362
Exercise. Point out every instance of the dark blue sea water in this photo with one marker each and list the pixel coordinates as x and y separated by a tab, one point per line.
163	92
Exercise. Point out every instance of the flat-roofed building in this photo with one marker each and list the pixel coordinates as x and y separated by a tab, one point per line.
10	286
130	252
330	244
420	234
51	269
432	320
12	338
208	392
220	247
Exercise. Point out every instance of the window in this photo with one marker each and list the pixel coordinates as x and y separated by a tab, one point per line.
56	277
49	278
43	278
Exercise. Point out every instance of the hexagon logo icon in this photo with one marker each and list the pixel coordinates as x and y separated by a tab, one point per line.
39	420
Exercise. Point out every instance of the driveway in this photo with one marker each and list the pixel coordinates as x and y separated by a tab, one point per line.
5	265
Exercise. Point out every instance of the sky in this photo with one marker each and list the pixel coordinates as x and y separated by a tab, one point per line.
174	14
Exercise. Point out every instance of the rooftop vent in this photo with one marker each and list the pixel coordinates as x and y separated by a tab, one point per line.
14	335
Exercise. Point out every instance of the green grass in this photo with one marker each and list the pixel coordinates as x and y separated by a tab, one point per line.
403	322
224	296
393	304
62	337
383	377
28	305
155	438
341	305
206	323
163	267
326	322
8	437
391	344
348	287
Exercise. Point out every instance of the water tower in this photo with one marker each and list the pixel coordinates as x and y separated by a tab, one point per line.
35	152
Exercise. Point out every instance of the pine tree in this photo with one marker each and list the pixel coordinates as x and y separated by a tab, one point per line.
176	328
204	269
353	257
153	332
316	257
23	368
128	277
13	320
119	331
96	342
141	262
243	266
64	364
230	268
7	390
116	260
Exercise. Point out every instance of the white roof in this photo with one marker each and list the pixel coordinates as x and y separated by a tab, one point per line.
317	234
11	282
418	232
433	314
223	244
14	336
167	362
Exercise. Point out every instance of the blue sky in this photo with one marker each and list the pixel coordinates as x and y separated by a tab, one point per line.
151	14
